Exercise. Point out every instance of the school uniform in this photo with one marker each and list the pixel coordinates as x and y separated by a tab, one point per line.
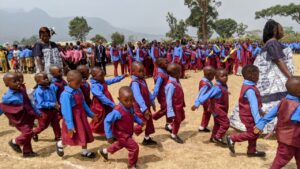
287	130
175	103
45	101
75	111
119	124
102	102
155	54
115	57
124	62
58	86
86	89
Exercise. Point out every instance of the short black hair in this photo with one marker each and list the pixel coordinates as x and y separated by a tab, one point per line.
248	70
268	31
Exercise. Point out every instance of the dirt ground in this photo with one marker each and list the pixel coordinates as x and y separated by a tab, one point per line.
195	153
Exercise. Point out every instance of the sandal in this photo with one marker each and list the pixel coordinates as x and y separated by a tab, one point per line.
60	151
89	155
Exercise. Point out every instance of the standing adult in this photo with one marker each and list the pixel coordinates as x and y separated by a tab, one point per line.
100	55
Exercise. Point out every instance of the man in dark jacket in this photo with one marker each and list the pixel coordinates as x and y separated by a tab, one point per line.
100	56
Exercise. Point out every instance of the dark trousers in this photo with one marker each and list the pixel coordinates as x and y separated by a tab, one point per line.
102	65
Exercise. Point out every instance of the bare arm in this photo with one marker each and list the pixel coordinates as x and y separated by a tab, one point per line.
283	68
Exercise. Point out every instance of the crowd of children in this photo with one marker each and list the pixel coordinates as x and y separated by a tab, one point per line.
65	105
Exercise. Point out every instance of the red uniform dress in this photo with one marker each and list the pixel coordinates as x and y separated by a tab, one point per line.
178	105
122	131
161	97
101	111
288	135
156	53
86	90
220	111
116	53
60	84
146	96
83	133
207	106
247	119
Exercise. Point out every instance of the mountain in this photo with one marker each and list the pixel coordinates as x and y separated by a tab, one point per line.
17	24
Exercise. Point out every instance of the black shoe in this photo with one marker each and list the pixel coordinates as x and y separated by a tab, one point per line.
104	155
212	140
205	130
89	155
15	147
219	141
59	150
177	139
257	154
35	138
31	154
230	144
149	142
167	128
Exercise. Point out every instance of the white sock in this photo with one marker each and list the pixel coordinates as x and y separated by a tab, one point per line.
13	141
147	137
201	128
84	151
170	126
104	151
173	135
60	145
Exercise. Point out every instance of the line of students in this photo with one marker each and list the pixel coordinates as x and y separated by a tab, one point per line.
71	100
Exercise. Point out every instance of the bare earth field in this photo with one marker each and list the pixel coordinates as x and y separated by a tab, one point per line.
196	153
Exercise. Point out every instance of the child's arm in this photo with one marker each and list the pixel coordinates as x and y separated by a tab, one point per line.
212	93
41	102
109	120
158	83
267	118
152	54
169	90
66	109
114	80
138	96
250	95
88	110
97	90
138	120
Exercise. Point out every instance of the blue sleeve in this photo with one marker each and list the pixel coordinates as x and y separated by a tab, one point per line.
109	120
114	80
267	118
180	54
169	94
296	115
138	96
88	110
152	54
214	92
66	109
250	95
111	52
158	83
54	88
223	53
137	119
41	102
202	91
97	91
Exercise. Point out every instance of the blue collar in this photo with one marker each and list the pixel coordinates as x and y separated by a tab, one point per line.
55	79
69	89
93	81
12	91
291	97
134	77
43	87
127	110
162	71
249	83
172	79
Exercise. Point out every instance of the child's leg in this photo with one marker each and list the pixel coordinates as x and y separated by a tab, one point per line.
116	68
122	68
297	157
56	127
25	138
149	127
116	146
216	127
205	117
44	122
176	125
247	136
284	154
224	123
133	153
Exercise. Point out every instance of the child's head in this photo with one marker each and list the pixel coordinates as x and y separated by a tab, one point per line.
12	81
126	96
222	76
56	71
293	86
174	70
20	77
42	79
251	72
84	70
209	72
271	30
162	63
98	74
74	79
138	69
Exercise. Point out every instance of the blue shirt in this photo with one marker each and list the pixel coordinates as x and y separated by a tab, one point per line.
97	90
251	97
10	54
256	51
169	90
214	93
158	83
177	52
274	111
137	94
67	102
152	53
113	57
138	58
114	116
12	97
203	90
44	97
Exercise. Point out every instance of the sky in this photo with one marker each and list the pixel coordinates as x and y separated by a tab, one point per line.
148	16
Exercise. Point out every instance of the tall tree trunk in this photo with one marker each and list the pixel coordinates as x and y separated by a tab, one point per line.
203	4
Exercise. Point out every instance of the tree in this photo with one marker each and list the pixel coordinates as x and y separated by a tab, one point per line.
29	41
203	14
98	37
291	10
117	38
79	28
241	29
177	29
225	27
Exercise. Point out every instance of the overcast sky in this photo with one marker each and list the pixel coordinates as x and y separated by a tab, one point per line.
148	16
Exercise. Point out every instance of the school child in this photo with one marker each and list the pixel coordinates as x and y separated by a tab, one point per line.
124	61
250	109
288	125
20	113
119	125
142	101
175	100
45	101
115	57
85	86
102	102
75	127
161	80
219	98
193	61
155	54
